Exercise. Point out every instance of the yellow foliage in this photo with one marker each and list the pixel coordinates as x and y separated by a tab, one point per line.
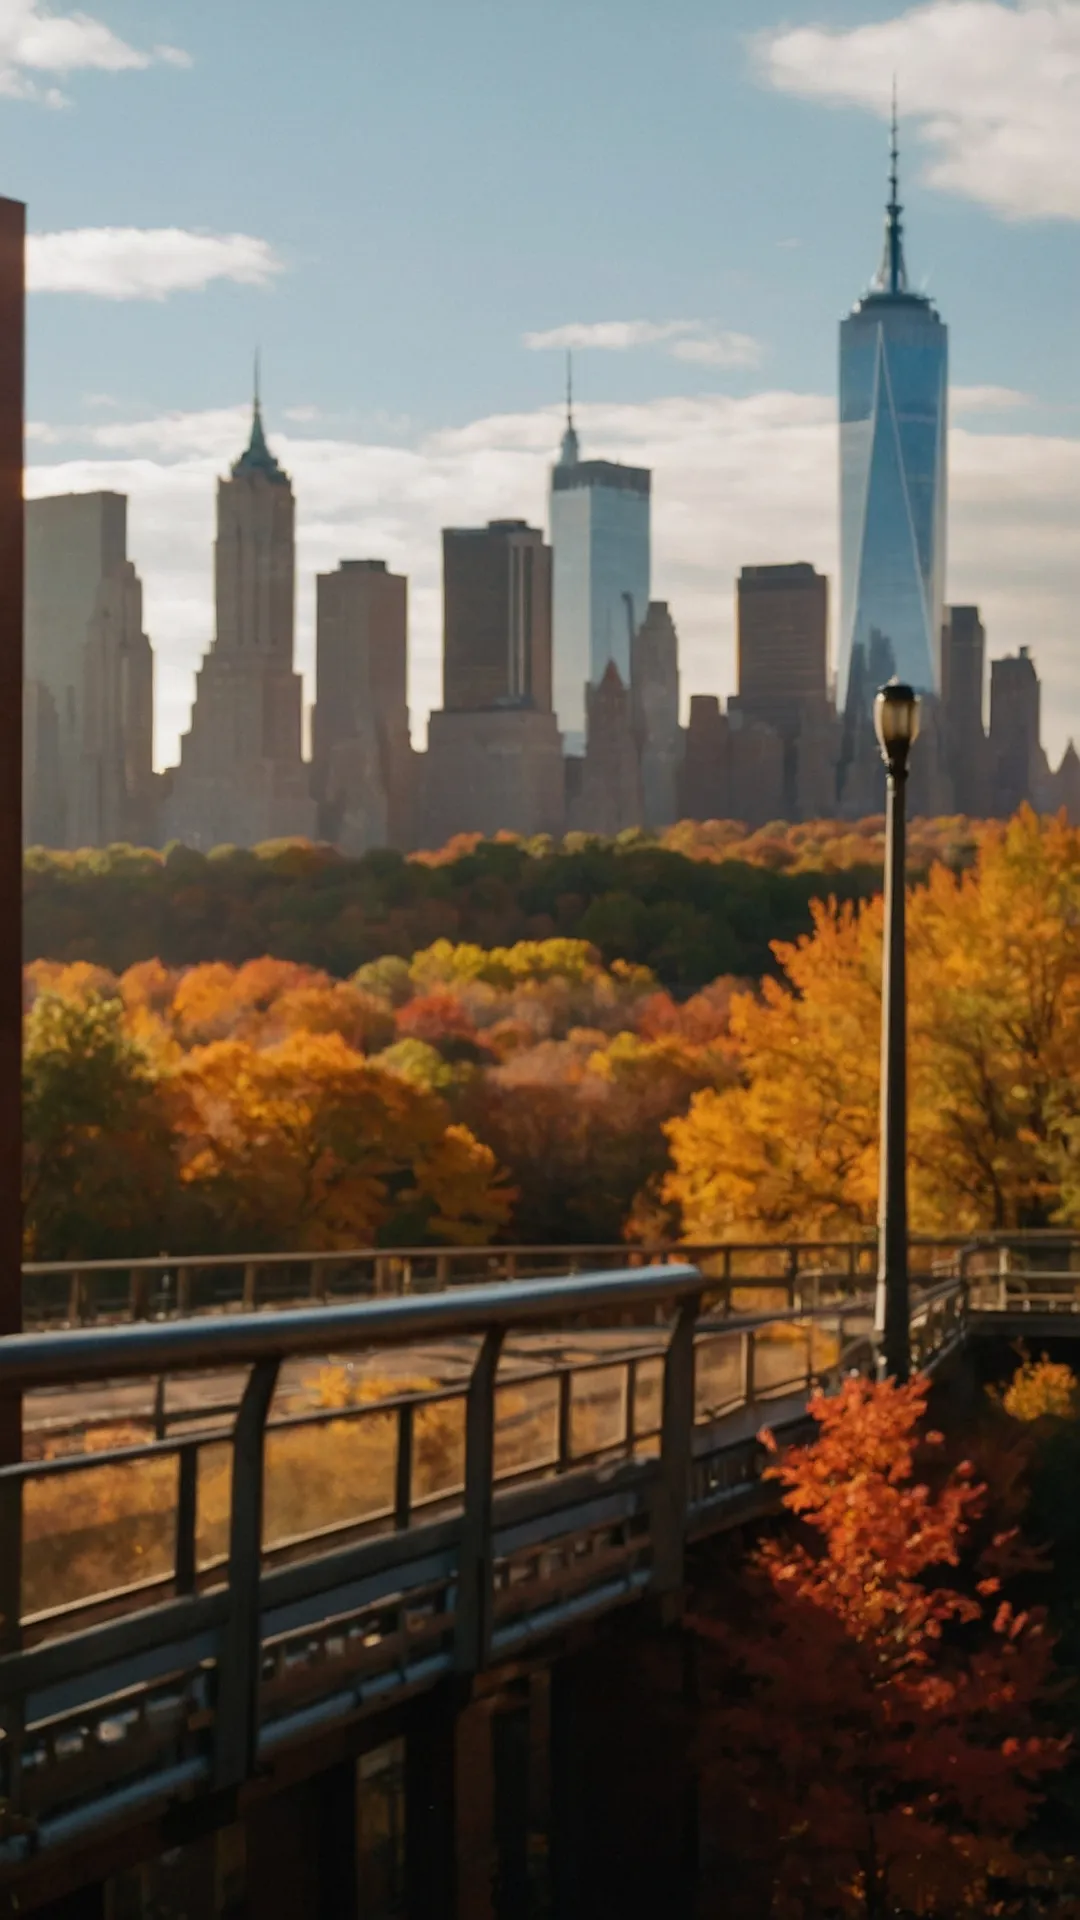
994	1051
1042	1389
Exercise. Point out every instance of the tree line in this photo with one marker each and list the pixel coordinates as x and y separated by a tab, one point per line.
695	903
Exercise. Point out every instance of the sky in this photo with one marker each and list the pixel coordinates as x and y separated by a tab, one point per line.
411	208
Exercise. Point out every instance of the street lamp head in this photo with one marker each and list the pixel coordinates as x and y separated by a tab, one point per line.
896	722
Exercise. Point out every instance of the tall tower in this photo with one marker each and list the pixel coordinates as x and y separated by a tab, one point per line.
88	702
600	540
241	777
893	421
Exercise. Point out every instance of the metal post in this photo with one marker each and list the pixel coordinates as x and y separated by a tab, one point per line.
238	1691
472	1639
12	308
676	1449
891	1311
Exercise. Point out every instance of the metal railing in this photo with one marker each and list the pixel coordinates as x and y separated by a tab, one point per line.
560	1485
186	1607
89	1292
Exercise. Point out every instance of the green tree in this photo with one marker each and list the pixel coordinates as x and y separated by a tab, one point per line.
98	1162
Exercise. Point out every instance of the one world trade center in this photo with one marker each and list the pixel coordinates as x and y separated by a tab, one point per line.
893	421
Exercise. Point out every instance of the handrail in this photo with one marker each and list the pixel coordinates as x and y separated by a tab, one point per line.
864	1243
29	1360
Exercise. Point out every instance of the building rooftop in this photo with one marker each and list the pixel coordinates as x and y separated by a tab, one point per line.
601	473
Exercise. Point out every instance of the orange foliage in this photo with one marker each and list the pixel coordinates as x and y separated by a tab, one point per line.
875	1740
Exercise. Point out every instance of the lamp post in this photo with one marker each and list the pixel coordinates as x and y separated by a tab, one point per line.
896	723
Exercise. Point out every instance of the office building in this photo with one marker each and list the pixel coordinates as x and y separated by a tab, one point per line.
600	538
782	637
88	698
782	634
705	775
241	777
893	422
654	696
1017	763
494	758
496	618
610	796
492	770
963	672
362	757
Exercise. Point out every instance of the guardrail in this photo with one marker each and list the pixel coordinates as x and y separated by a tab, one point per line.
186	1608
88	1292
446	1527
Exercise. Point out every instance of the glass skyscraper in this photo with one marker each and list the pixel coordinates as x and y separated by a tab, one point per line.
893	421
600	587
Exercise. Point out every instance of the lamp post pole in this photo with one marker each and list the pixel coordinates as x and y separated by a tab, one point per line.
896	724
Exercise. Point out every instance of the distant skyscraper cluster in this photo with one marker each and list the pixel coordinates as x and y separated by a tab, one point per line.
561	689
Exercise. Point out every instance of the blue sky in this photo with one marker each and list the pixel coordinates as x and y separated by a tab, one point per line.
390	197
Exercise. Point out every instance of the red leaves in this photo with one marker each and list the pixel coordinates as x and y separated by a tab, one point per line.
871	1690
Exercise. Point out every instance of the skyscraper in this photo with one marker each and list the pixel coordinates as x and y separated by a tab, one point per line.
361	753
654	693
963	673
893	407
600	539
88	703
494	759
241	777
783	622
496	617
1017	761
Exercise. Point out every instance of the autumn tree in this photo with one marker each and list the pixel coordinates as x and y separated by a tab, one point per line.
994	996
306	1144
98	1161
874	1738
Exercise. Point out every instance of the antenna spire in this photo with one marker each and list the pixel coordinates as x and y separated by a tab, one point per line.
570	451
892	275
257	396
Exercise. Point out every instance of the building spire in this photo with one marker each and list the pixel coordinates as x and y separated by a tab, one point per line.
570	451
257	457
892	274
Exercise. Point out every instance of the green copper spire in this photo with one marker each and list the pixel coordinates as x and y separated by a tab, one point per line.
257	457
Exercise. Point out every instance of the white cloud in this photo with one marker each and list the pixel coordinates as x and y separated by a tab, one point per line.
986	400
34	39
995	86
736	481
691	340
719	350
611	336
145	263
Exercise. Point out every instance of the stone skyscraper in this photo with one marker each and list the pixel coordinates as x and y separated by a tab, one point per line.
783	623
600	538
88	705
654	692
494	758
893	408
362	757
242	778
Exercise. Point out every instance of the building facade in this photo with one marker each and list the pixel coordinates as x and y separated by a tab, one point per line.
496	617
363	775
963	674
654	693
242	778
600	519
88	699
893	426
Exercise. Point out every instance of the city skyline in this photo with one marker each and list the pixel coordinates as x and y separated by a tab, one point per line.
743	454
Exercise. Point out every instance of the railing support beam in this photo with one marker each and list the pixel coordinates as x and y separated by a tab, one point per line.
238	1689
472	1639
